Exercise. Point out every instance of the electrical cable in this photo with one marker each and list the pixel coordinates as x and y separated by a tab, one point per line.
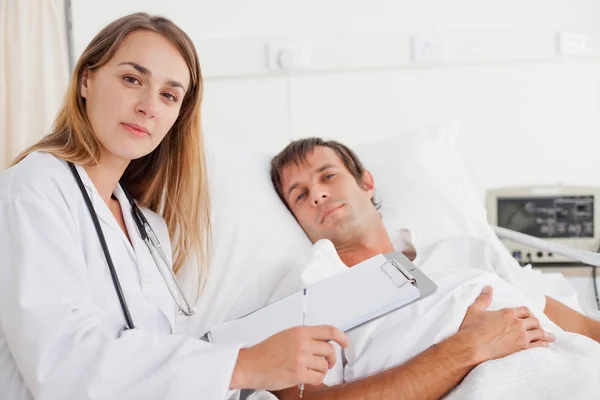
594	268
594	272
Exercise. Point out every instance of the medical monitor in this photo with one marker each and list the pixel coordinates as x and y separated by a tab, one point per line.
562	214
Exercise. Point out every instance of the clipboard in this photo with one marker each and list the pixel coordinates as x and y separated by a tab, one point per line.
366	291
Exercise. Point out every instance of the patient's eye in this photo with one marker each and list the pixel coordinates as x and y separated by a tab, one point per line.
300	196
328	177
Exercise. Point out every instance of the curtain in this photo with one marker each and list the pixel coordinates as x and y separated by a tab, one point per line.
34	71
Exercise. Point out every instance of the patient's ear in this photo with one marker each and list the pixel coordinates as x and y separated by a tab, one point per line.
368	184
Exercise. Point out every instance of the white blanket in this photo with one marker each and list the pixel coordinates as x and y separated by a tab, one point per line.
461	269
568	369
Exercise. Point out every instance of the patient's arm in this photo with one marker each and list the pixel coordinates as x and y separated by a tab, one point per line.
571	320
483	335
428	376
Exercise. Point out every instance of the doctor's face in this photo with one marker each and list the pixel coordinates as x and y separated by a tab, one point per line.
325	197
134	99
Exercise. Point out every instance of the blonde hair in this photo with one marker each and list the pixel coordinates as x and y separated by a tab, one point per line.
172	179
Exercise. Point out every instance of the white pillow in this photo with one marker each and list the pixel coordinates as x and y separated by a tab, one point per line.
424	186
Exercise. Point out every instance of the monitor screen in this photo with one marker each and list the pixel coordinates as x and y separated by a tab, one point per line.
548	217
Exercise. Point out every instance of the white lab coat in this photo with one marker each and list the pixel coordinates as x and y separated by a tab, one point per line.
60	319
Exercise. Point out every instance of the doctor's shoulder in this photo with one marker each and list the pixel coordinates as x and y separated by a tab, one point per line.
39	176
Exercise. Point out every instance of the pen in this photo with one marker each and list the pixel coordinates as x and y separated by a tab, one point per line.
301	387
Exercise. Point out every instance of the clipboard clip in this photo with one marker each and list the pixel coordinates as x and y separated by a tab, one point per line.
397	273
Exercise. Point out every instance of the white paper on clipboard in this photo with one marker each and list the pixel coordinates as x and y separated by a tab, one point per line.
346	300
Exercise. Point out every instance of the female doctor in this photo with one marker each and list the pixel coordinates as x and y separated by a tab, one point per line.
87	294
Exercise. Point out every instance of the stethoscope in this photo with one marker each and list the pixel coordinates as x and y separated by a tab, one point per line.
154	247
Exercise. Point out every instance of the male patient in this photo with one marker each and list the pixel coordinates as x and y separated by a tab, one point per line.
330	193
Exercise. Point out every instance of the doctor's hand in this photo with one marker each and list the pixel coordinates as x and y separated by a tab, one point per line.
288	358
495	334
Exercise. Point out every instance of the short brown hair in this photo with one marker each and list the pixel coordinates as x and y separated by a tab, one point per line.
296	152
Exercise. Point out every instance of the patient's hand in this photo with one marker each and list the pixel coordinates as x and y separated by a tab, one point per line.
495	334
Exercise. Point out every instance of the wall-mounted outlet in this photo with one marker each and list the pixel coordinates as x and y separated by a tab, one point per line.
572	43
287	55
429	48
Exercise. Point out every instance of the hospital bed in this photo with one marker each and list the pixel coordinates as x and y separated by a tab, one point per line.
421	182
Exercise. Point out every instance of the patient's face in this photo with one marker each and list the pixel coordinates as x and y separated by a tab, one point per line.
325	198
